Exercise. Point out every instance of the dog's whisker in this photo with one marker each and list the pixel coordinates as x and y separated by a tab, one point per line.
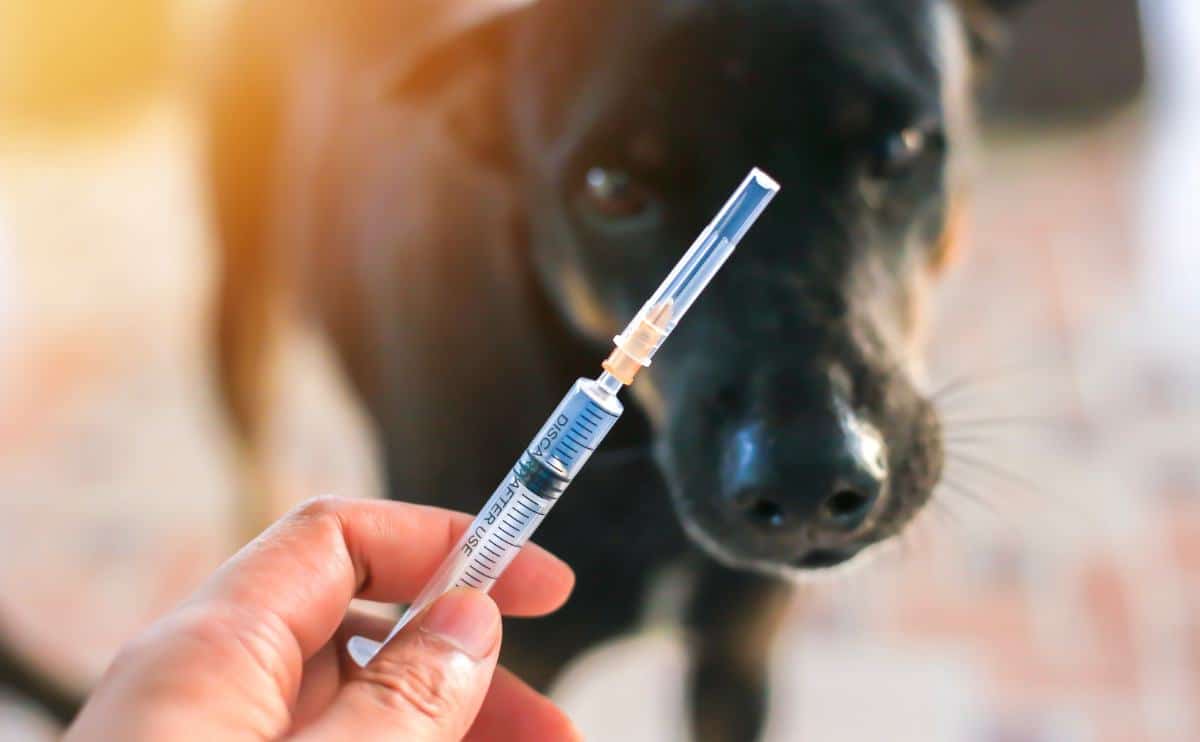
1029	491
969	497
969	445
953	523
967	396
972	424
990	376
992	434
973	497
965	489
996	471
952	388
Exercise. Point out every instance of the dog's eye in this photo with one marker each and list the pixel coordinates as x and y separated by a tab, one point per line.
615	195
902	150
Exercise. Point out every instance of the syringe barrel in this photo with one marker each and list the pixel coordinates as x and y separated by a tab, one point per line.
543	471
532	487
675	296
520	503
576	427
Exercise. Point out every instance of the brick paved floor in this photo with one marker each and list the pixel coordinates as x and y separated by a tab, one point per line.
1051	595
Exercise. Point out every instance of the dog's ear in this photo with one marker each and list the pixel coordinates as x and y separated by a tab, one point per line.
987	23
458	75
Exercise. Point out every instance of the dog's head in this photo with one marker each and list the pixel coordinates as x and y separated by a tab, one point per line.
785	411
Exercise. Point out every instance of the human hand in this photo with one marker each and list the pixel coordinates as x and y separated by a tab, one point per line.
259	651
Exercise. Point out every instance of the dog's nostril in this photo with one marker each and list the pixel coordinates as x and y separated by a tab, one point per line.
845	503
762	510
767	512
847	508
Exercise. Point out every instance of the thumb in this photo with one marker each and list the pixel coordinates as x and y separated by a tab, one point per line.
427	684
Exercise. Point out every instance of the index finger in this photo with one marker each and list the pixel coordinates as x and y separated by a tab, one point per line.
306	568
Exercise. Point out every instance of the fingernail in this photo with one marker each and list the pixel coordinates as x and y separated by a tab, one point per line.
466	618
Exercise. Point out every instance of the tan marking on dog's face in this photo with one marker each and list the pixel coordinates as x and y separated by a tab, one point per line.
649	396
954	61
589	314
952	242
584	308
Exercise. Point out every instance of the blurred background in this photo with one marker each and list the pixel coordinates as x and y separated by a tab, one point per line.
1053	593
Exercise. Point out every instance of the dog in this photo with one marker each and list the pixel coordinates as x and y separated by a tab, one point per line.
470	203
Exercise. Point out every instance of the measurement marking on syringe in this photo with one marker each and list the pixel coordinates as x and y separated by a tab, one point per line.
510	543
576	439
590	409
523	506
492	551
491	562
479	572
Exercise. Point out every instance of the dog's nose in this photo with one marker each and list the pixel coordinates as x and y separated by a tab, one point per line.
825	478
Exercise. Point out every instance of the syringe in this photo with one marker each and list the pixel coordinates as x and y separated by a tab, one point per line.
574	430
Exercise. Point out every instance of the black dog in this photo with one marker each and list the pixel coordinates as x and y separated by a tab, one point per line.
472	214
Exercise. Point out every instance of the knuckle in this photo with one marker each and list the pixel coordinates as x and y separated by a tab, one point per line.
128	656
324	513
413	686
323	506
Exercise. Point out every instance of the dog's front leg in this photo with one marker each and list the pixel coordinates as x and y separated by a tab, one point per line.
732	620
